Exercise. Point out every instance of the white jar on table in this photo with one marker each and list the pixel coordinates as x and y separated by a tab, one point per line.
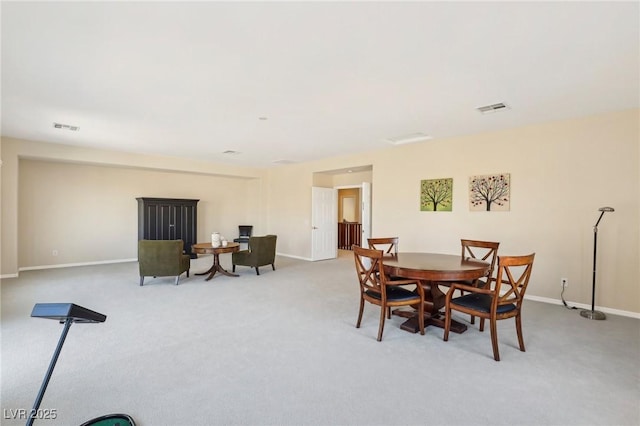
215	239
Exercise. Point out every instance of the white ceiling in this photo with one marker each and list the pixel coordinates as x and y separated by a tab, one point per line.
331	78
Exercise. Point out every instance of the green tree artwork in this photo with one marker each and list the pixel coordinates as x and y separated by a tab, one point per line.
436	195
490	192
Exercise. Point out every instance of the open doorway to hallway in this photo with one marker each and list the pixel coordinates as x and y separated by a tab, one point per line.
349	218
352	217
354	224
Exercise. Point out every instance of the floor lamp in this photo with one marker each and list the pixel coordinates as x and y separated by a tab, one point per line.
67	314
593	314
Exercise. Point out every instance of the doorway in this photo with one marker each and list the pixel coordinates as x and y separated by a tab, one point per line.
354	215
352	204
349	218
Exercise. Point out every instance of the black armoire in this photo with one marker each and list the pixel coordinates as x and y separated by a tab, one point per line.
168	219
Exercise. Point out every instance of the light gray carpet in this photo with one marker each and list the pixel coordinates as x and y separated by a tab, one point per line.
282	349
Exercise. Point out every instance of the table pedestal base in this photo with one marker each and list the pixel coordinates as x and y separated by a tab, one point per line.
411	324
216	267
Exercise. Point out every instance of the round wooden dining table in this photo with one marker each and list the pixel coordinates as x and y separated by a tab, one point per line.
433	270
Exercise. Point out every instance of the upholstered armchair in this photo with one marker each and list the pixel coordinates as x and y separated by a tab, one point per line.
162	258
262	251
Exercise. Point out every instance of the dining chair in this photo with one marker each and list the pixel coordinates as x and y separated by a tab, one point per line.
500	299
376	289
481	250
244	232
389	245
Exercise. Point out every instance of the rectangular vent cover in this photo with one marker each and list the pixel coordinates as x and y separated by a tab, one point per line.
488	109
410	138
66	127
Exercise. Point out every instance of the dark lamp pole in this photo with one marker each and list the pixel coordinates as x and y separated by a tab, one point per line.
593	314
67	314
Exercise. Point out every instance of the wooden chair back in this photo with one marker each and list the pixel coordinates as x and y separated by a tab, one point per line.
481	250
494	302
375	288
512	280
389	245
369	269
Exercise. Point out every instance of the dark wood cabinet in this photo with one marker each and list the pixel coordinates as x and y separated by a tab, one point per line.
168	219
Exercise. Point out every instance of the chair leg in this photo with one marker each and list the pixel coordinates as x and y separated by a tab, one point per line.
421	318
388	312
187	273
383	311
481	324
234	268
141	281
257	271
447	323
473	319
360	313
494	338
519	331
273	266
177	279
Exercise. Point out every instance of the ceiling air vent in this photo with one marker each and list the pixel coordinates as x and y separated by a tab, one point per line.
411	138
230	152
283	162
66	127
489	109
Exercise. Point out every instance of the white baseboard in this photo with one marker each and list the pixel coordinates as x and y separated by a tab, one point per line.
293	257
584	306
70	265
8	276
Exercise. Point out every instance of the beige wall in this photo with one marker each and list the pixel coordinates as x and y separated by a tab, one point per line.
88	213
346	180
354	210
289	211
561	173
81	202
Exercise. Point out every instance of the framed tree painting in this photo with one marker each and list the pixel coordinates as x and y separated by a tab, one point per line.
490	192
436	195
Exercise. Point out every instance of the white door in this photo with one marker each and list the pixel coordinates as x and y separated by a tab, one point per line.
365	195
324	223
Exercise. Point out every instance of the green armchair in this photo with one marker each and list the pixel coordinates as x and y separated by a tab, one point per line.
162	258
262	251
